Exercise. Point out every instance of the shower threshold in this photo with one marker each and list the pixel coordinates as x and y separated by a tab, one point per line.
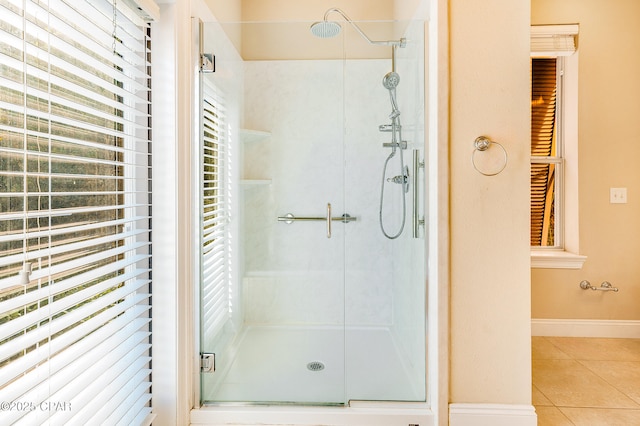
355	414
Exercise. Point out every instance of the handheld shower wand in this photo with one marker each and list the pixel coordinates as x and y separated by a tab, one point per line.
390	82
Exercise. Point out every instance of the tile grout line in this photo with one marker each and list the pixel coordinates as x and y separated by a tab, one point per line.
585	363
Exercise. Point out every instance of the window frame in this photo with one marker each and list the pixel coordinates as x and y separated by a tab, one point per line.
565	254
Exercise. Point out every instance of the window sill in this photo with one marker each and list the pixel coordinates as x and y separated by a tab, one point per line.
556	259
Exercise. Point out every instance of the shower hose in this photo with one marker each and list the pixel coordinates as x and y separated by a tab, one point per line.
397	142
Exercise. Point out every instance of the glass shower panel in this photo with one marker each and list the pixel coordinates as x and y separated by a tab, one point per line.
217	176
319	307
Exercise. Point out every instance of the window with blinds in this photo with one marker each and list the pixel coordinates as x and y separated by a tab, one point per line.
215	291
546	155
75	236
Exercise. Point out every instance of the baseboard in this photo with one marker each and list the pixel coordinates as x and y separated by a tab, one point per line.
585	328
492	415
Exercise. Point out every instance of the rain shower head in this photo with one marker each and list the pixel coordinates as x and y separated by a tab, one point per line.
325	29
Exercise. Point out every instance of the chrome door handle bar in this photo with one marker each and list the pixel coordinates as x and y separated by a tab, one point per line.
345	218
417	164
290	218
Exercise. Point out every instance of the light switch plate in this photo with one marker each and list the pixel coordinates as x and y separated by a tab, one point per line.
618	195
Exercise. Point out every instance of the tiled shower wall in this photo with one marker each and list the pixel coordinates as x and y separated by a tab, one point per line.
325	147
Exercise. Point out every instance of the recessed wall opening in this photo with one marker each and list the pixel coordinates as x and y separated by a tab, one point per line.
311	188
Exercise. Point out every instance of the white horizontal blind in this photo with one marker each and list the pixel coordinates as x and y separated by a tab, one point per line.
554	40
546	162
215	293
75	185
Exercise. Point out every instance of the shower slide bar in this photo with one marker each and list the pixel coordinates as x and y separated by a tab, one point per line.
345	218
605	286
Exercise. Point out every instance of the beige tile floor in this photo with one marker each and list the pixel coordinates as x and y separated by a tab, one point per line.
586	381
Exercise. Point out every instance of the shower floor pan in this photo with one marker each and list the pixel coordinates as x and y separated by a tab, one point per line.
316	366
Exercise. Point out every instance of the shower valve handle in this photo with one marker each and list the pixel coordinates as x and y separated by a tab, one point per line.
401	179
398	179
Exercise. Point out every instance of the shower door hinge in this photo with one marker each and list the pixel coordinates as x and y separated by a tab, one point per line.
207	62
207	362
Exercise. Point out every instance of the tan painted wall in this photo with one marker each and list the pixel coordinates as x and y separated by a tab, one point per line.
226	10
294	41
282	10
490	279
609	153
313	10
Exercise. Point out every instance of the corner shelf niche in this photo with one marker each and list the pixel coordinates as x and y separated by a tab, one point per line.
255	182
249	136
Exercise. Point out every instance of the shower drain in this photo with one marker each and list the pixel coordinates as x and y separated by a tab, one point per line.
315	366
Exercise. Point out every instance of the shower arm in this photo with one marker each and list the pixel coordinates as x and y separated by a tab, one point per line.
395	43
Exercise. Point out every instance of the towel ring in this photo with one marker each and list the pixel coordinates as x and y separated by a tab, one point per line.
482	143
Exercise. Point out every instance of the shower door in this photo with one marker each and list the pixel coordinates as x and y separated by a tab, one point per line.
279	336
311	304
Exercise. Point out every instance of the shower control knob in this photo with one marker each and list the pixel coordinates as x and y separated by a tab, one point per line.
398	179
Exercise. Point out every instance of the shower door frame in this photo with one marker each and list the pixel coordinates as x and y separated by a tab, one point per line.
369	412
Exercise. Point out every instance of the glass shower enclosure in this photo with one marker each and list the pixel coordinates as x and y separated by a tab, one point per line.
311	189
